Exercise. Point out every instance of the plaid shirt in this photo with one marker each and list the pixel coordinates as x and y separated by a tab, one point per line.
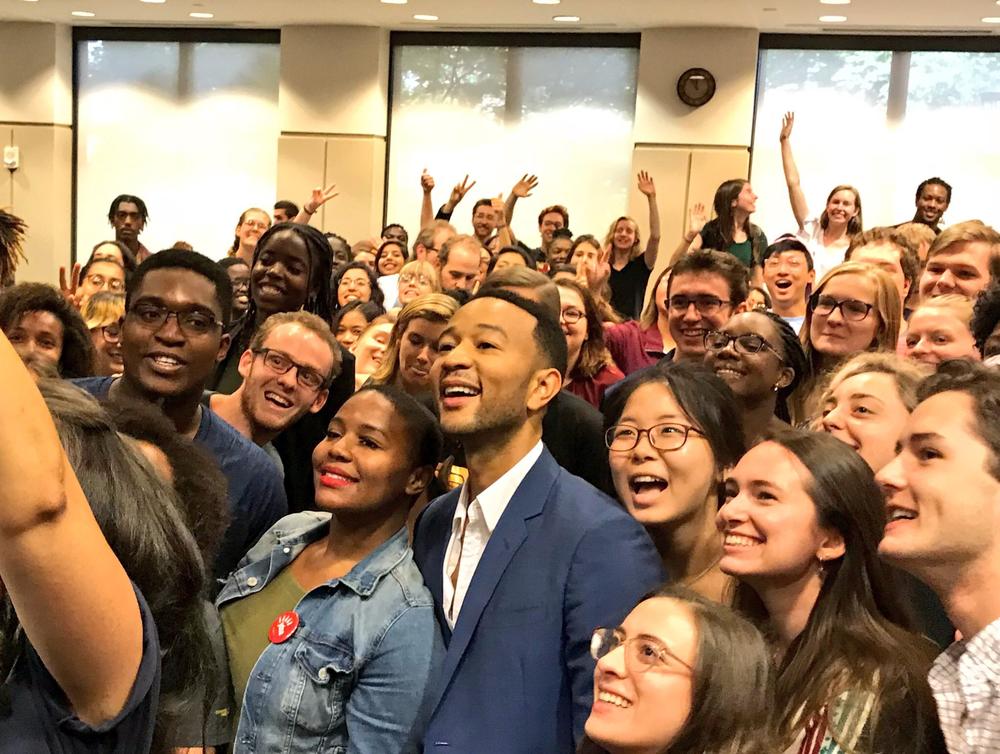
966	684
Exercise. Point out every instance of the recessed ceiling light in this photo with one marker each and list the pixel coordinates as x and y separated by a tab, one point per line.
566	19
35	1
200	14
153	2
395	2
546	2
835	2
83	14
832	19
425	17
991	20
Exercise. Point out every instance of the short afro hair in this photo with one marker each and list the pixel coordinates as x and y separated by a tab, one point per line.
548	335
171	259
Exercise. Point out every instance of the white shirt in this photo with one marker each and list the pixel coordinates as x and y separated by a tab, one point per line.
825	258
390	289
478	518
965	680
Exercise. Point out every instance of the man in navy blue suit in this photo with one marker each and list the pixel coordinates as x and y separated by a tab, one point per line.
524	560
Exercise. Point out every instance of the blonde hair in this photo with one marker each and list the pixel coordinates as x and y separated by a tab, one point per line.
635	250
920	237
103	308
906	373
968	232
960	306
420	267
651	314
435	307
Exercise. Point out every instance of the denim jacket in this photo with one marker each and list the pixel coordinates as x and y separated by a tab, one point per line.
354	675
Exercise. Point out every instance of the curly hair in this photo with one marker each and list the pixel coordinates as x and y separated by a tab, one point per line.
985	317
77	357
12	230
377	295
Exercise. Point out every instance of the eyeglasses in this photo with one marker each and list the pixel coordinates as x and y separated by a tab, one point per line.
98	281
641	652
256	224
706	305
850	308
668	436
277	362
571	316
354	283
716	340
192	322
112	333
413	277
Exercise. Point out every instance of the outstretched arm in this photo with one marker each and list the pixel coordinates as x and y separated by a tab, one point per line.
691	241
504	233
647	187
426	206
72	597
521	189
798	199
319	197
457	194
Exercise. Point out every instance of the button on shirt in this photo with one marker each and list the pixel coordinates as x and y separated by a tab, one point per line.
471	528
965	680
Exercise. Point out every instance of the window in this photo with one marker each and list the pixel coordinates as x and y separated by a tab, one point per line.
883	121
496	112
190	127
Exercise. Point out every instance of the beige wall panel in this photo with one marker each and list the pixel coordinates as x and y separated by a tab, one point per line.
41	190
36	76
710	167
730	55
301	166
357	165
334	80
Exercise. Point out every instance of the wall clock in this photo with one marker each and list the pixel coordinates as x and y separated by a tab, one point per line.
695	87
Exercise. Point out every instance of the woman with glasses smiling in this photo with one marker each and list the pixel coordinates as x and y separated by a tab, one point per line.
103	314
417	278
760	357
590	368
855	308
692	677
672	431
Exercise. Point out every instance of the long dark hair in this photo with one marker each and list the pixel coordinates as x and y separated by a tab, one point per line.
794	357
731	686
858	634
318	299
377	295
725	195
138	515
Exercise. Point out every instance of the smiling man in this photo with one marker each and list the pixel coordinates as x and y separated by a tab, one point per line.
959	260
524	559
789	277
128	216
932	200
172	339
287	370
943	498
706	288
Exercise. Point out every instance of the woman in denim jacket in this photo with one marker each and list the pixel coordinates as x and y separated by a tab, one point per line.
330	630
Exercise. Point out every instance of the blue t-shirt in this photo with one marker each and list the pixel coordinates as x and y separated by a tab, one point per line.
256	491
39	719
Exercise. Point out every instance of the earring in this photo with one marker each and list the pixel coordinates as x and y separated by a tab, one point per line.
776	388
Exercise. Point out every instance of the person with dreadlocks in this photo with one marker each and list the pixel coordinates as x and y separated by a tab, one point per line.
290	271
12	230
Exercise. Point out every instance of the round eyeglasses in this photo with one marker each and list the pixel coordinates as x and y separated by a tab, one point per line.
641	652
667	436
850	308
716	340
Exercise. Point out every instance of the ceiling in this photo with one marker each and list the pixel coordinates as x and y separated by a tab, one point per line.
796	16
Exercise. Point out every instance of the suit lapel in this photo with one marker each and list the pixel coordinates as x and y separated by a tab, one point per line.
528	501
438	534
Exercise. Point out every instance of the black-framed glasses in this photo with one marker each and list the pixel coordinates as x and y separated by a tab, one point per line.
716	340
278	362
667	436
571	316
192	322
850	308
706	305
641	652
112	333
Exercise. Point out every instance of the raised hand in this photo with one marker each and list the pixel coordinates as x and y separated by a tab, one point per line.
787	122
596	275
426	182
525	186
697	218
70	291
319	197
646	185
461	189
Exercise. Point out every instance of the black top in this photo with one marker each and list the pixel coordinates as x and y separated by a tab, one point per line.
573	431
39	718
628	287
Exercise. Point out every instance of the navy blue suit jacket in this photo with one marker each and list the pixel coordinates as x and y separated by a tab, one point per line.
564	559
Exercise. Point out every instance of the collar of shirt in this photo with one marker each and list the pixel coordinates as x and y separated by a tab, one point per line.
494	499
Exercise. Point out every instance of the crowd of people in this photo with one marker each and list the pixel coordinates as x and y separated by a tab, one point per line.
450	492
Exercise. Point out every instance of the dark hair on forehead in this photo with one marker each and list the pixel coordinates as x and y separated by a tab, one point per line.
794	357
128	199
935	181
406	236
77	349
787	243
982	385
318	298
425	437
228	262
180	259
127	255
548	335
986	315
377	294
711	262
291	208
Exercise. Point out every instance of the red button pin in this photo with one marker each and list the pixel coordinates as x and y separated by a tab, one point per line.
283	627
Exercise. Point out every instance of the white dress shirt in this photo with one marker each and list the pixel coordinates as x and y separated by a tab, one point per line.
965	680
477	520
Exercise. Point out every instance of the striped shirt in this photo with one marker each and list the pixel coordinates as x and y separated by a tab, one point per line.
965	680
